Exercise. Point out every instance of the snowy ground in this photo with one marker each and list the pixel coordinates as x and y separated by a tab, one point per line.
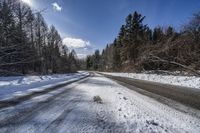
186	81
73	111
21	85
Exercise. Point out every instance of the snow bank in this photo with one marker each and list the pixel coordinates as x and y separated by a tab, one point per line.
186	81
22	85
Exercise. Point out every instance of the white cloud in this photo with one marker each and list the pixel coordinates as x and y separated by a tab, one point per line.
75	43
82	56
56	7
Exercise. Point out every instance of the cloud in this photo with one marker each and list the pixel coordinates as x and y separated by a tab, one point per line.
75	43
82	56
56	7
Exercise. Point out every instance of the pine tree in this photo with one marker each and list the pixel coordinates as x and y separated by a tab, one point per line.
116	64
134	36
157	34
96	60
89	62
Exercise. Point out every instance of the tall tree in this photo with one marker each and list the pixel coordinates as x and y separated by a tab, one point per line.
96	60
7	35
27	44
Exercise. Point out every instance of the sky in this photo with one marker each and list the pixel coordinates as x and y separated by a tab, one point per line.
87	25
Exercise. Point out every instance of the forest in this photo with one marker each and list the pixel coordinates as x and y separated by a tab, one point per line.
28	45
139	48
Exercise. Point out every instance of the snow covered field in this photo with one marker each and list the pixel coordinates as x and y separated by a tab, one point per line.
22	85
186	81
122	111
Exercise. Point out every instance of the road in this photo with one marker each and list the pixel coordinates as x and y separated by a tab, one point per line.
187	96
71	109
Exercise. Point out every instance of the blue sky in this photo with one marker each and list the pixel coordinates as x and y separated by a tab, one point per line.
91	24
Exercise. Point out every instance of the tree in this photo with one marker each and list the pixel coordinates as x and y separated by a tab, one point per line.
170	31
89	62
96	60
138	48
73	61
12	49
157	34
41	31
27	45
116	63
54	43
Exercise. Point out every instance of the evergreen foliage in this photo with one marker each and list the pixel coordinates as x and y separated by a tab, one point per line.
139	48
28	45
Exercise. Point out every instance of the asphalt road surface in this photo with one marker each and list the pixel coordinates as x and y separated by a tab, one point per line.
126	107
187	96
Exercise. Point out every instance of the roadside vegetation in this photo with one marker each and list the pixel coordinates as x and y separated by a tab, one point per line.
28	45
138	48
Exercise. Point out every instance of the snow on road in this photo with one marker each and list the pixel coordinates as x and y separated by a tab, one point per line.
186	81
21	85
73	111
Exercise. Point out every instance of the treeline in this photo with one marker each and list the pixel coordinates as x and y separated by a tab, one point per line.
28	45
138	48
